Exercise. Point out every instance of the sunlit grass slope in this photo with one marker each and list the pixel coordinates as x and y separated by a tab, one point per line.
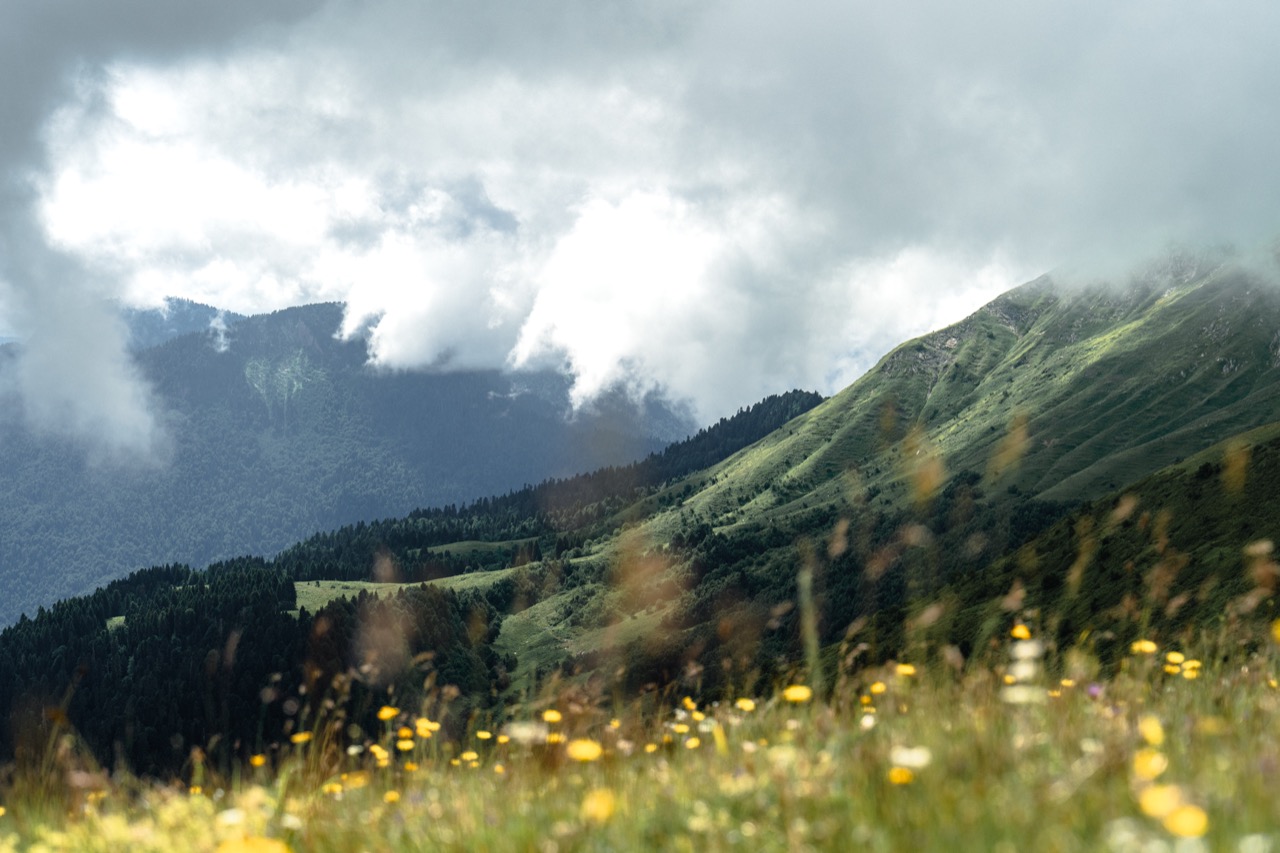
1090	389
1027	749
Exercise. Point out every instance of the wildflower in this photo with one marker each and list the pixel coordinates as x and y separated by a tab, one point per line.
379	752
1275	630
300	737
388	712
599	805
868	722
905	669
2	811
404	744
650	748
332	788
798	693
253	844
504	738
680	728
469	755
483	735
410	766
1172	669
391	796
499	769
1020	632
1160	800
877	687
1175	657
1149	763
424	728
1143	647
745	705
698	716
584	749
1068	682
196	790
901	776
1188	821
689	704
404	732
1151	730
693	743
615	724
257	760
555	737
913	757
551	715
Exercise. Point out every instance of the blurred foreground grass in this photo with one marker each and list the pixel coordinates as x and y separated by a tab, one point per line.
1178	750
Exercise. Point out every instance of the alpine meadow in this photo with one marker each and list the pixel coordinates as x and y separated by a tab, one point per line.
566	426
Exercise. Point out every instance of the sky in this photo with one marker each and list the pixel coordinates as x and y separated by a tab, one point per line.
715	200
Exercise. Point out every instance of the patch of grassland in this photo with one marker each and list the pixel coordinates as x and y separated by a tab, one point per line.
1025	751
314	595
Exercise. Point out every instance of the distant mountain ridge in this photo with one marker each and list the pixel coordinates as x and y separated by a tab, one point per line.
279	429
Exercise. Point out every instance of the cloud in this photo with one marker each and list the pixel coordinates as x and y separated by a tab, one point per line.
720	200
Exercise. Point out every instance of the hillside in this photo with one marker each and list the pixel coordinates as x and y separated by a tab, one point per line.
282	432
918	510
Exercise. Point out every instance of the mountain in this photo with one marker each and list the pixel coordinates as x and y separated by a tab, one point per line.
1081	457
278	430
149	327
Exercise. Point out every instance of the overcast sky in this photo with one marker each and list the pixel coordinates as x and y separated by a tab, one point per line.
718	199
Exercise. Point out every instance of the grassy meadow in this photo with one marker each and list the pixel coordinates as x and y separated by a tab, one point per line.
1029	749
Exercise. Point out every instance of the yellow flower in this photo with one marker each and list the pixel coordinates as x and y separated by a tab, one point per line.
504	738
388	712
410	766
1068	682
877	687
689	704
1275	630
745	705
1149	763
499	769
599	805
379	752
693	743
583	749
901	776
615	724
424	727
391	797
257	760
1151	730
1187	821
905	669
332	788
196	790
1143	647
300	737
698	716
1020	632
1159	800
551	715
680	728
798	693
469	755
1190	674
404	744
483	735
404	732
1172	669
2	811
1175	657
253	844
650	747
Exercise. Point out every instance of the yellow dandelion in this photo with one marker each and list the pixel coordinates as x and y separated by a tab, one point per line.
411	766
391	796
1143	647
483	735
404	732
698	716
196	790
693	743
424	728
798	693
1020	632
404	744
1159	800
379	752
599	805
1151	730
551	715
257	760
650	748
1186	821
905	669
253	844
1172	669
689	704
2	811
469	755
1068	682
504	738
499	769
331	788
745	705
1149	763
1190	674
584	749
1009	679
388	712
877	687
300	737
555	737
1175	657
1192	664
680	728
615	724
901	776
